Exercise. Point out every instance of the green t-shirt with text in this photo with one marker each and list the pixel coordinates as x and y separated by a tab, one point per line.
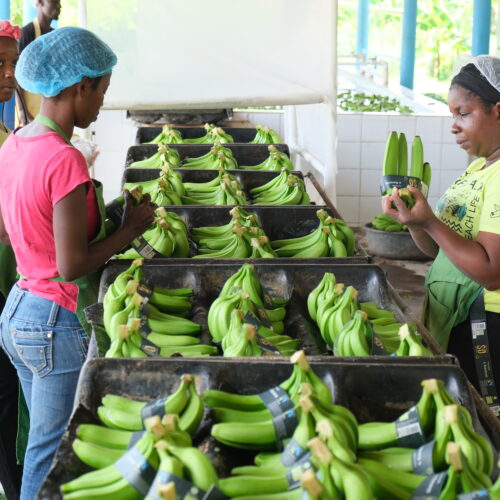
472	204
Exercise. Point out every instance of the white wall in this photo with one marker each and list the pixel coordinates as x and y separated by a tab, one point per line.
360	152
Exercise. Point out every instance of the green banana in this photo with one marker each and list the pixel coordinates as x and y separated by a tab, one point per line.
402	155
391	155
417	158
95	455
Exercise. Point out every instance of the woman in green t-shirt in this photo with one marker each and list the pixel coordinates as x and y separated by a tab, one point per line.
463	234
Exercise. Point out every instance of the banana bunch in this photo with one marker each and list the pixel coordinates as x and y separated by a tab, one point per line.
225	189
114	480
164	155
332	305
336	476
217	157
167	189
453	423
492	492
167	237
119	412
243	290
385	326
383	222
270	417
142	330
252	339
182	471
461	476
168	135
265	135
355	337
283	471
389	483
396	163
99	446
332	238
240	340
284	189
436	415
276	160
217	241
142	321
411	343
213	134
161	459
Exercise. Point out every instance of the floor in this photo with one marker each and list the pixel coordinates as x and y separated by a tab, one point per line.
406	276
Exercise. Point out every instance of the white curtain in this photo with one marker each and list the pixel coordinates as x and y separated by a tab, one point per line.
227	53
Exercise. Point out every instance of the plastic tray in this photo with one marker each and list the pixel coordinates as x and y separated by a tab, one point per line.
301	220
244	154
372	391
146	134
249	179
280	280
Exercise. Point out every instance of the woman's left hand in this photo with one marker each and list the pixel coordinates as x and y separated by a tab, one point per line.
420	214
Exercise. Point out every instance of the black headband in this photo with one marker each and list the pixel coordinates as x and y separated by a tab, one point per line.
472	79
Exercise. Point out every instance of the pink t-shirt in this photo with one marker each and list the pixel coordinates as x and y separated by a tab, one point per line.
35	173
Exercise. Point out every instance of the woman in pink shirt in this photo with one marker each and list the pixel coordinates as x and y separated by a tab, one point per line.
52	214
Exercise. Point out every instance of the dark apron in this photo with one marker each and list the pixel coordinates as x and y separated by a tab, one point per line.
449	294
8	276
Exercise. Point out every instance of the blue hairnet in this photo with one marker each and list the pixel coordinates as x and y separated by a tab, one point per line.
61	58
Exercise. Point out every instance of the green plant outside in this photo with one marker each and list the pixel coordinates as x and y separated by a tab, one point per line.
68	17
362	102
444	35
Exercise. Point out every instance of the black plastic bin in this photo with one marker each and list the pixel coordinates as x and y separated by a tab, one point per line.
290	281
249	179
372	391
300	220
244	154
239	134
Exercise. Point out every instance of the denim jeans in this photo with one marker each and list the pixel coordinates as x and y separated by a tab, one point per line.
47	346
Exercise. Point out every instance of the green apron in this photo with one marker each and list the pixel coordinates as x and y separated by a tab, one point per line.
8	276
88	288
449	294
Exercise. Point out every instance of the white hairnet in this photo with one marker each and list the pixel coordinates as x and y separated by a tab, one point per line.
62	58
489	67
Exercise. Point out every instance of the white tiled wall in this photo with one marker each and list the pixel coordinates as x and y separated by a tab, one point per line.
360	152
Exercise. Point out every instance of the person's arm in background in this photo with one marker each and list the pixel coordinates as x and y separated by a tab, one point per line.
479	259
27	36
74	256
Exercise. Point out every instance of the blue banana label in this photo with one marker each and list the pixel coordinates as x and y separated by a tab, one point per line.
276	400
285	424
388	182
430	488
421	459
292	453
154	408
408	429
136	470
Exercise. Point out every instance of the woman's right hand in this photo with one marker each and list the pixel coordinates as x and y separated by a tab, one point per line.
419	215
138	218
